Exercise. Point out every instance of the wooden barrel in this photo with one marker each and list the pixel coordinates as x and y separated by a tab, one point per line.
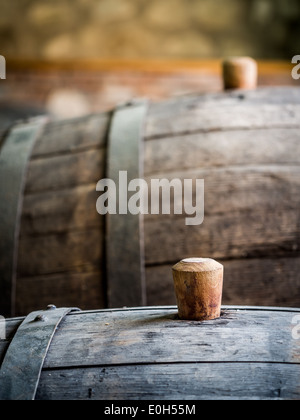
245	145
9	113
149	354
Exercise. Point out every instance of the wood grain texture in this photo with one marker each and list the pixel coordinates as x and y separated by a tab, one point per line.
207	117
71	136
65	171
148	353
59	253
263	281
61	246
245	145
205	381
62	211
157	336
215	150
67	289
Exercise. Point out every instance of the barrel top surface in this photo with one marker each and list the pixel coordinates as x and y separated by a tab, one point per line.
255	109
156	335
140	353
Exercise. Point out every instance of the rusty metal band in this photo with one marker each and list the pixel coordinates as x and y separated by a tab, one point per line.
22	366
125	256
14	157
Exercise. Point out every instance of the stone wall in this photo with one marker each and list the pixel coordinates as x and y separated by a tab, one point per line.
55	29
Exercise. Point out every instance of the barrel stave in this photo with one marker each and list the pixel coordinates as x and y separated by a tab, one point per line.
174	382
60	225
156	335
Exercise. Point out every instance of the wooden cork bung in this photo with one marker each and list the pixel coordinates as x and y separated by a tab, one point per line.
240	73
198	287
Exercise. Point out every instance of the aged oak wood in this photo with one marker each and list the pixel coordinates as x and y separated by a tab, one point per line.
141	353
268	286
244	144
175	382
15	155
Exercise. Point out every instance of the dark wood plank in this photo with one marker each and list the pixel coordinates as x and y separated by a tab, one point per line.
221	149
157	336
84	290
72	136
206	381
279	95
266	282
58	253
239	217
247	282
65	171
62	211
250	235
241	188
248	196
188	119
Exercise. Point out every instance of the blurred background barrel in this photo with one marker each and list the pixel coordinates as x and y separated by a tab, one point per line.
245	145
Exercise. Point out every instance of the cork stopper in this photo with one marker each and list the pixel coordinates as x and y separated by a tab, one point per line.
240	73
198	286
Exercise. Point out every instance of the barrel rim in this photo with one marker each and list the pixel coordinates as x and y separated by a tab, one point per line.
174	308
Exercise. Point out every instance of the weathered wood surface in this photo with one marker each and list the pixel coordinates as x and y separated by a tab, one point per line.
246	147
65	171
212	118
157	336
60	253
264	281
263	108
281	95
248	353
86	289
63	137
205	381
215	150
61	230
65	210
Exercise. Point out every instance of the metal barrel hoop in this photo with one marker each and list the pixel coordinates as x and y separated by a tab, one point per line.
22	366
15	155
125	253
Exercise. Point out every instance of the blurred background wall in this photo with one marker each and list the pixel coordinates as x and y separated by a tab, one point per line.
69	58
72	57
55	29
